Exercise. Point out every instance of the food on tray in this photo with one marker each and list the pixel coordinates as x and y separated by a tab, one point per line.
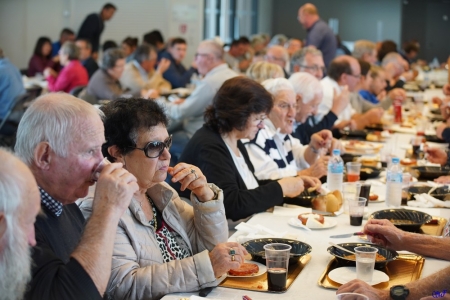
379	257
373	197
408	162
246	269
366	170
330	202
377	136
362	146
402	222
368	162
311	219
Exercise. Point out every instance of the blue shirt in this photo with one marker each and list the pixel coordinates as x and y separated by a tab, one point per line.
177	74
55	48
369	96
322	37
11	85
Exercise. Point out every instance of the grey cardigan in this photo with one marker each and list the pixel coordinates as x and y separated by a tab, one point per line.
138	270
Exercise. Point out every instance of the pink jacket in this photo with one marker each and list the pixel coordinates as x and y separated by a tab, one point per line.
72	75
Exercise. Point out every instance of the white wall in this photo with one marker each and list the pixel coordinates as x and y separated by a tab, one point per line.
23	21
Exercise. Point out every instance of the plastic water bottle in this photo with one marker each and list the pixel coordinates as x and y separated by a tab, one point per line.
335	171
394	178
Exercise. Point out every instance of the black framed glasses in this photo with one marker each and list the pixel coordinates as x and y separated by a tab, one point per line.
314	68
155	149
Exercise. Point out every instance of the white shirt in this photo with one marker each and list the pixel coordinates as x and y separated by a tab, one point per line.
329	87
244	171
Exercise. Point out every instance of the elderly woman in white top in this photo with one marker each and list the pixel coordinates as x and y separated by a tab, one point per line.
274	152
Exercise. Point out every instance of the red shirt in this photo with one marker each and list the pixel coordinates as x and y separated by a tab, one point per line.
72	75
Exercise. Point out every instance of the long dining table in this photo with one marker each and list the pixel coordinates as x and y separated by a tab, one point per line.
306	284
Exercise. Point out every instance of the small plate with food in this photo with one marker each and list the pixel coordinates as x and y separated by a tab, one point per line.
248	269
362	147
312	221
343	275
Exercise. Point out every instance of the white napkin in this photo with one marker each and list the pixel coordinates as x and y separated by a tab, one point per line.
246	232
290	210
425	200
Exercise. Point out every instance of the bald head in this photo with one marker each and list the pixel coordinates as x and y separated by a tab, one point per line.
307	15
277	55
345	70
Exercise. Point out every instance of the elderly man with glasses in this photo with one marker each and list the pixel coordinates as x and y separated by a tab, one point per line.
309	60
344	74
279	56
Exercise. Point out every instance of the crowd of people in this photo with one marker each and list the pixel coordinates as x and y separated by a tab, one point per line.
255	131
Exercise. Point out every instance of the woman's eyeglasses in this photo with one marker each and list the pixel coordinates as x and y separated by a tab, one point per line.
155	149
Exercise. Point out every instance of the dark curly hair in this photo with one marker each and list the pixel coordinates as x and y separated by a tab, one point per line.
123	120
235	101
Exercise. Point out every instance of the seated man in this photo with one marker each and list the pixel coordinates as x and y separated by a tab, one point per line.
366	51
104	84
176	74
276	154
72	75
292	46
310	60
237	49
11	85
187	115
279	56
309	95
385	233
19	205
85	56
60	139
140	74
394	66
66	35
344	72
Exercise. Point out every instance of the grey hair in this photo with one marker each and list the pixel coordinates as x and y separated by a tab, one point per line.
362	47
110	57
71	50
305	85
142	52
257	39
52	118
277	85
278	39
298	58
391	57
10	191
214	48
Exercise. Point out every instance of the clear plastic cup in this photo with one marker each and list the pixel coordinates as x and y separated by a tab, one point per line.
365	262
350	191
353	171
99	168
277	261
356	210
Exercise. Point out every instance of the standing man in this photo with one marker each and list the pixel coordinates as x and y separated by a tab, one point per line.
60	138
177	74
319	34
19	205
93	26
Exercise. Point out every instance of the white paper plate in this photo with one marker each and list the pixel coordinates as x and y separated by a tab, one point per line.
345	274
328	223
262	269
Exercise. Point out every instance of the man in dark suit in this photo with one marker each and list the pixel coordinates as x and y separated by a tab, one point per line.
86	56
93	26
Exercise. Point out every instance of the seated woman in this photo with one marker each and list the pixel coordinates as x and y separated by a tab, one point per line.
262	70
72	75
129	44
238	111
276	154
163	245
42	57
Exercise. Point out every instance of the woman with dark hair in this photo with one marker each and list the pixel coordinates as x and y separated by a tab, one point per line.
238	111
72	75
386	47
129	44
42	57
163	245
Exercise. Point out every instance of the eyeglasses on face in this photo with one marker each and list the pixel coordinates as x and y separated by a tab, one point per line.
201	54
155	149
314	68
286	106
260	120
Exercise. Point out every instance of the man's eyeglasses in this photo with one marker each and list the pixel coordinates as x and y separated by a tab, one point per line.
201	54
285	106
314	68
155	149
273	58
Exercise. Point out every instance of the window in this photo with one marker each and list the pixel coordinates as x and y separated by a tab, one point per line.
230	19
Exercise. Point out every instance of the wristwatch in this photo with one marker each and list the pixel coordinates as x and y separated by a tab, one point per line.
399	292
